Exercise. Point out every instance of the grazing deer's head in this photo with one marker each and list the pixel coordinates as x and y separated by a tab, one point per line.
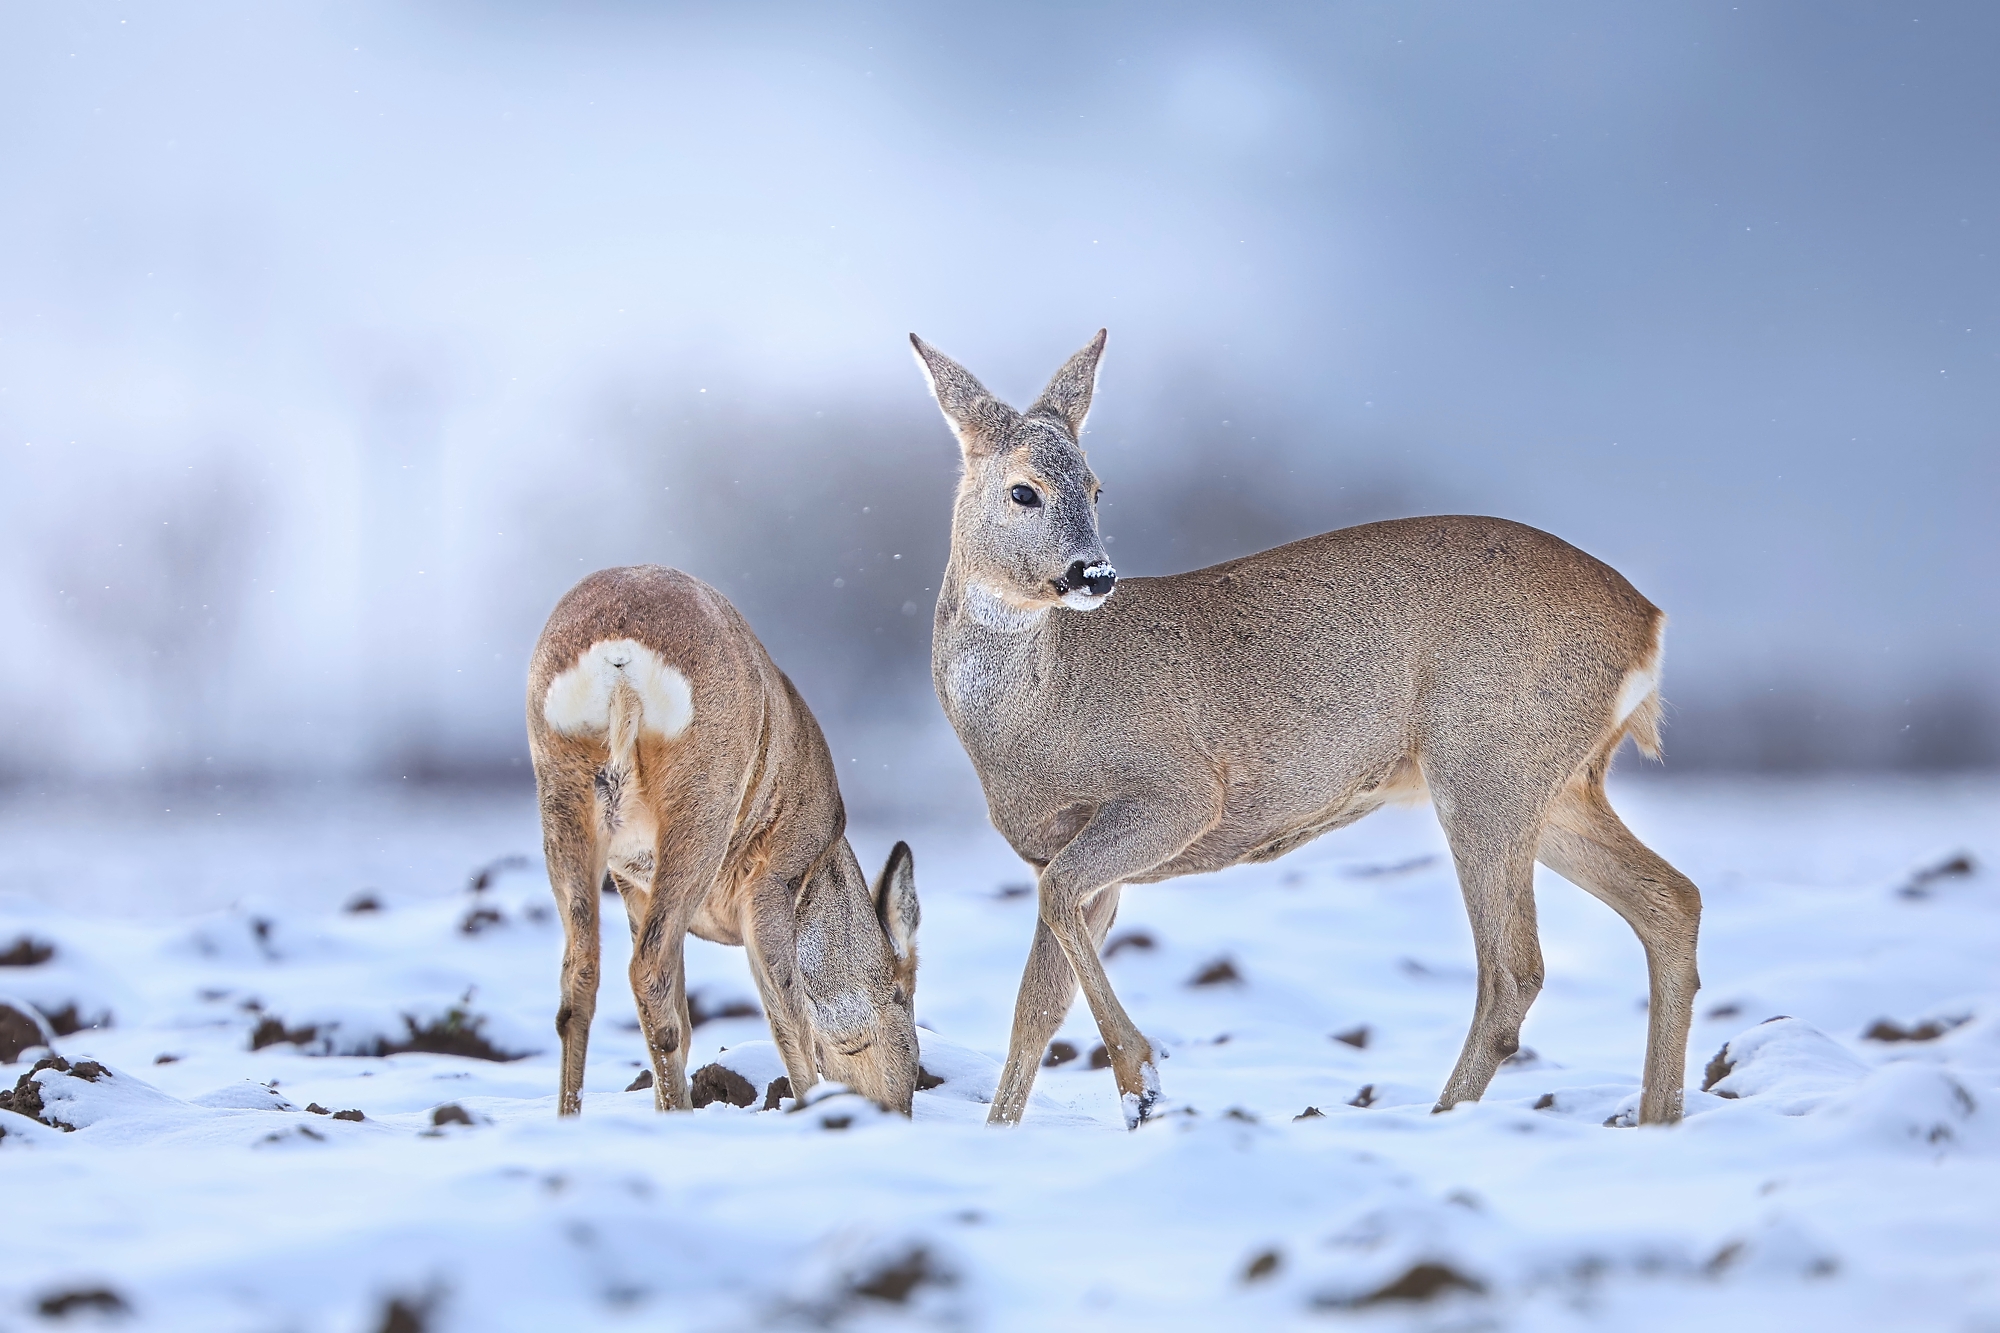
1024	528
857	955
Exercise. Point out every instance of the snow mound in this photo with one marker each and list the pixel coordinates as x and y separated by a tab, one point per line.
1787	1064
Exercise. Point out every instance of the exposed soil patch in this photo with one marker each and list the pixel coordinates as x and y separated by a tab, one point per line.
457	1033
66	1020
1364	1098
451	1113
1310	1113
720	1083
18	1031
1060	1053
1221	972
363	902
408	1314
641	1083
898	1279
349	1115
98	1300
483	878
26	952
1887	1029
779	1091
1262	1265
481	919
699	1012
271	1031
1014	890
1132	939
1421	1282
1920	884
1719	1067
25	1097
1357	1037
1546	1102
1099	1057
1729	1010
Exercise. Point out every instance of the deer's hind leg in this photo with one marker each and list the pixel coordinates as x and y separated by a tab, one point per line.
770	938
574	848
687	860
1586	843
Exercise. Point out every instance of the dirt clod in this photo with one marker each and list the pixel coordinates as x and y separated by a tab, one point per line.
1545	1102
363	902
271	1031
1357	1037
1131	939
407	1314
1918	886
1730	1010
349	1115
67	1020
896	1280
18	1031
1060	1053
26	951
1310	1113
926	1080
1099	1057
1887	1029
63	1304
1262	1265
1719	1066
642	1082
1221	972
699	1012
1364	1098
481	919
451	1113
720	1083
456	1033
314	1108
1420	1282
779	1091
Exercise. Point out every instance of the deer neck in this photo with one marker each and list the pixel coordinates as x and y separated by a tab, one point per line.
988	656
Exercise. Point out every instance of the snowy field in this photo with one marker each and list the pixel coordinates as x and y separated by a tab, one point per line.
1833	1179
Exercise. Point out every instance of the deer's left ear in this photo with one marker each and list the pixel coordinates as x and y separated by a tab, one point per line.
896	905
1067	398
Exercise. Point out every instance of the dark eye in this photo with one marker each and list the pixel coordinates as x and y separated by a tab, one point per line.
1026	497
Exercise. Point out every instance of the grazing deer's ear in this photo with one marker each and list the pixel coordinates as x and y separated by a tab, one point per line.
1067	399
977	418
896	904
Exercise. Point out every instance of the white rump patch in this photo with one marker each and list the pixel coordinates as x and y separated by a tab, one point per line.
1639	682
579	700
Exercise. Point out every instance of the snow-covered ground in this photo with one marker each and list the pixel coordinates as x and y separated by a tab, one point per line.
1850	1182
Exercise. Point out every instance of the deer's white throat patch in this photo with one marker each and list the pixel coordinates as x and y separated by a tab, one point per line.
986	606
578	702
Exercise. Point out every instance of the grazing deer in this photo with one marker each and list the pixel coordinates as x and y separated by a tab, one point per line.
671	752
1227	715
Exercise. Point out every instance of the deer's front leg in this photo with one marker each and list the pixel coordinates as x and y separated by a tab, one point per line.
1124	839
1048	985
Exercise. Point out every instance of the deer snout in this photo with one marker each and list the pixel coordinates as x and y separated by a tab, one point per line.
1096	578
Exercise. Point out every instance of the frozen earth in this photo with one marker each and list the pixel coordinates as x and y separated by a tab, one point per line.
1842	1172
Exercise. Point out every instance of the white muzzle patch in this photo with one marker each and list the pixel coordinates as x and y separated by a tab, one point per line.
578	702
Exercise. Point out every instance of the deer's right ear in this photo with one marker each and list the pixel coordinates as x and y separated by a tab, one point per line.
896	907
976	417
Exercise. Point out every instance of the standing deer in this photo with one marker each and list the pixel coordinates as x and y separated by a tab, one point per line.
1227	715
671	752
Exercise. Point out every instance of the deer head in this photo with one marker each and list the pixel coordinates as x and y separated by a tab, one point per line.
1024	527
857	954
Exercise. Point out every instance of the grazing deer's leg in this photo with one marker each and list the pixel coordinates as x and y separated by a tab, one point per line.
575	855
772	945
1123	840
686	865
1586	843
1492	829
1048	985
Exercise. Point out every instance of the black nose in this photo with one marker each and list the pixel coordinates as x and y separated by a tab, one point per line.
1097	578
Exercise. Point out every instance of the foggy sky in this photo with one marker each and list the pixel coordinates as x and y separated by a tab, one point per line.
337	340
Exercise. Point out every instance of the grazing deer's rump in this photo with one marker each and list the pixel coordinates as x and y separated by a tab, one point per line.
672	754
1131	731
